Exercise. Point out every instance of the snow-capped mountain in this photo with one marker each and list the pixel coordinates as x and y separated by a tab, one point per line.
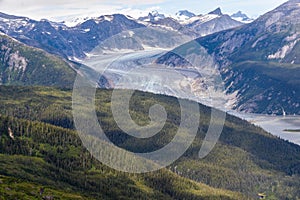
252	56
10	24
74	22
212	22
76	38
190	24
152	17
65	41
259	61
184	15
241	17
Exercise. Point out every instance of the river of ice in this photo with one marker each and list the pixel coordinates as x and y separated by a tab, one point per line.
146	76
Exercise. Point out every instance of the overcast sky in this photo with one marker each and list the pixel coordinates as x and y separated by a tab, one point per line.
55	9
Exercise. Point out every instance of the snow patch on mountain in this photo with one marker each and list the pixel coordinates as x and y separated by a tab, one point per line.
17	62
201	18
184	15
152	17
72	22
241	17
281	53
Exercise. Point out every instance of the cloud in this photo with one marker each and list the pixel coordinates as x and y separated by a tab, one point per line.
139	2
76	3
52	9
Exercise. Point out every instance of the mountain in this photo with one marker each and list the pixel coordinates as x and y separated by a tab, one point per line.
77	41
210	23
43	157
183	15
135	40
24	65
217	11
154	20
40	34
194	26
241	17
71	21
259	61
56	38
246	160
89	34
152	17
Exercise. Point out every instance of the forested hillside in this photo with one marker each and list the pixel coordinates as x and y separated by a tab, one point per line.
246	159
42	161
24	65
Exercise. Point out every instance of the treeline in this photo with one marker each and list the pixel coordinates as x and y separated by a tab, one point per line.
246	158
53	156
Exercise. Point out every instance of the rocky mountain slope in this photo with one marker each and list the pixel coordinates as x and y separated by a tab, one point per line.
213	22
77	41
242	17
259	61
65	41
23	65
195	25
183	15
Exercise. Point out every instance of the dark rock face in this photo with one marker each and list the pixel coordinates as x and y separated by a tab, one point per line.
218	11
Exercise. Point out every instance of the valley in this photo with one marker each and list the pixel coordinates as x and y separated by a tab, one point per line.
137	71
154	106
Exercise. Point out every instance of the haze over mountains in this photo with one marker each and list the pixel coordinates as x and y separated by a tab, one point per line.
87	33
258	60
43	157
242	17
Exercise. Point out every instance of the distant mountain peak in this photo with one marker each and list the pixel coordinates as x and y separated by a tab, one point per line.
240	13
217	11
152	16
156	14
185	13
242	17
7	16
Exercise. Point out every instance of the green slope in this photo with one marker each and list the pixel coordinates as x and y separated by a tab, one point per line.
14	188
246	159
44	156
24	65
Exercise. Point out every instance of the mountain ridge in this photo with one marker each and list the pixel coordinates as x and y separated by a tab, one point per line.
77	41
21	64
259	61
242	17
